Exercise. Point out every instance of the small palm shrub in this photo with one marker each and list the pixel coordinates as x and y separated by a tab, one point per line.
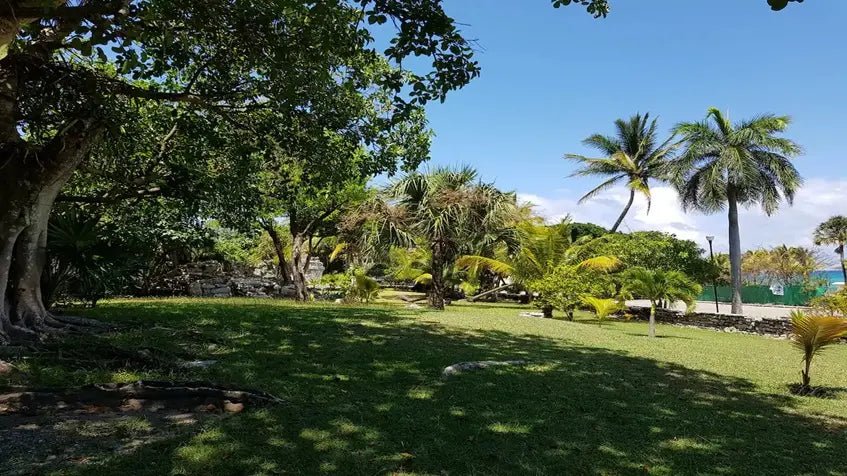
658	286
603	307
811	334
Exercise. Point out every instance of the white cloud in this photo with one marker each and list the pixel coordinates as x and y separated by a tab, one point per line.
818	200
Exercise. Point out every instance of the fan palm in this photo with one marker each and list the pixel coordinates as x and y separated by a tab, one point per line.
811	333
633	155
834	232
656	286
725	165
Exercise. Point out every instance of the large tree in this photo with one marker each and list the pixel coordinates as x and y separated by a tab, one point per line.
68	70
834	232
634	155
725	165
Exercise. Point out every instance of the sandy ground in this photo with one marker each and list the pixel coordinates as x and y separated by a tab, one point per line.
750	310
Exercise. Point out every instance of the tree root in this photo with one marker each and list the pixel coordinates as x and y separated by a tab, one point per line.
142	395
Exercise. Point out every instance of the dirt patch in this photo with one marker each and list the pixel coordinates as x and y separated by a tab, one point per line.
42	429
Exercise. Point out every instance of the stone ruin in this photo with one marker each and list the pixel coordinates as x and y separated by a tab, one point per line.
213	279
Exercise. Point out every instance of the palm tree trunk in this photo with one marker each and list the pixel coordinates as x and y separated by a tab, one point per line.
843	266
625	211
734	252
436	288
651	327
806	377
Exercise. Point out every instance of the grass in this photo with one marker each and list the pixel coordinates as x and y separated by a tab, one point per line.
364	394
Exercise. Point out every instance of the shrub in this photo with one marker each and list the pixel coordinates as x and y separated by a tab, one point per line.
811	334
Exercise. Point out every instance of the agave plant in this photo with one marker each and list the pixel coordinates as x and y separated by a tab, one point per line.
811	334
603	308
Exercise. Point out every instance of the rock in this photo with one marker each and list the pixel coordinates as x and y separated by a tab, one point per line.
457	369
198	364
132	405
532	314
6	368
230	407
413	306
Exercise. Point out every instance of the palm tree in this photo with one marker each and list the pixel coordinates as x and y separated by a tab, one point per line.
657	286
448	211
725	165
811	333
834	232
603	308
633	155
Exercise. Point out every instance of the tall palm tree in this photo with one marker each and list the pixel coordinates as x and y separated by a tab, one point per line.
725	165
834	232
633	155
657	286
446	210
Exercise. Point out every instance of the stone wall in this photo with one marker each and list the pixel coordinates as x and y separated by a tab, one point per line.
724	322
211	279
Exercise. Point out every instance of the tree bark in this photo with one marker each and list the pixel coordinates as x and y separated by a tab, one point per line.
625	211
843	265
651	326
283	268
734	252
437	288
301	291
29	186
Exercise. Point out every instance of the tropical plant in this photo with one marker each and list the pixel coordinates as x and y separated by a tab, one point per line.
364	288
811	334
633	155
565	287
449	212
834	232
603	307
725	165
657	286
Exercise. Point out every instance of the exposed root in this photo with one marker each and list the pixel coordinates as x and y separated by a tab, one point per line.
81	322
150	395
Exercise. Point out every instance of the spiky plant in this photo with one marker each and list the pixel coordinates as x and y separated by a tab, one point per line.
811	334
603	308
725	165
634	156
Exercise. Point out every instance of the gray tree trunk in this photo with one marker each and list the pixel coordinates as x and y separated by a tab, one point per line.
651	327
734	252
437	288
29	186
283	268
301	291
843	265
625	211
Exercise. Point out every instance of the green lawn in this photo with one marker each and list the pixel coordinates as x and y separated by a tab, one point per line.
364	394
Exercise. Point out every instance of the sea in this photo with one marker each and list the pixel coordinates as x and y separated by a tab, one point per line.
832	276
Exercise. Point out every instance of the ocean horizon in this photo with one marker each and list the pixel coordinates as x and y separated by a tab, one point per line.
831	276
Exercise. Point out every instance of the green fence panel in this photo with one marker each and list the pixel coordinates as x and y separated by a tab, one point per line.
792	295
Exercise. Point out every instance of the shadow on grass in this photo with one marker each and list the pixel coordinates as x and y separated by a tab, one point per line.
365	397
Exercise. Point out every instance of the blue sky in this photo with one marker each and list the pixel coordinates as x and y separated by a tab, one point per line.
551	77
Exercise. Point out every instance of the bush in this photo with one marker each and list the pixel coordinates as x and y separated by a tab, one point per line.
565	287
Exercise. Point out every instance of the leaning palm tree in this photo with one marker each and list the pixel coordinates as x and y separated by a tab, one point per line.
834	232
657	286
725	165
633	155
445	210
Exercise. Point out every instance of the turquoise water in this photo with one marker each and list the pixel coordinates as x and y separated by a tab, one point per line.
830	275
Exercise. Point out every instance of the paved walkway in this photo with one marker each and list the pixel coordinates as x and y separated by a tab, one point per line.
750	310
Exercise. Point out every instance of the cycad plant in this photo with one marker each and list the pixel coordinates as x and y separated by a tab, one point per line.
634	156
725	165
657	286
603	307
811	334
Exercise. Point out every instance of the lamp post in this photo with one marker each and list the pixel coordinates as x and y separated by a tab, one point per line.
711	238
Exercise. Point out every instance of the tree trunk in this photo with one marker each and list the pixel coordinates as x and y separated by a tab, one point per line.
301	292
843	266
806	377
651	326
625	211
734	252
547	311
29	185
437	288
283	268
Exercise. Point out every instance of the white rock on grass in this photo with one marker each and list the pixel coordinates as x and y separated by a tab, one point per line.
457	369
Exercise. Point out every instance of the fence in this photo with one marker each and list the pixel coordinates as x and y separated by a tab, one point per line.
791	296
